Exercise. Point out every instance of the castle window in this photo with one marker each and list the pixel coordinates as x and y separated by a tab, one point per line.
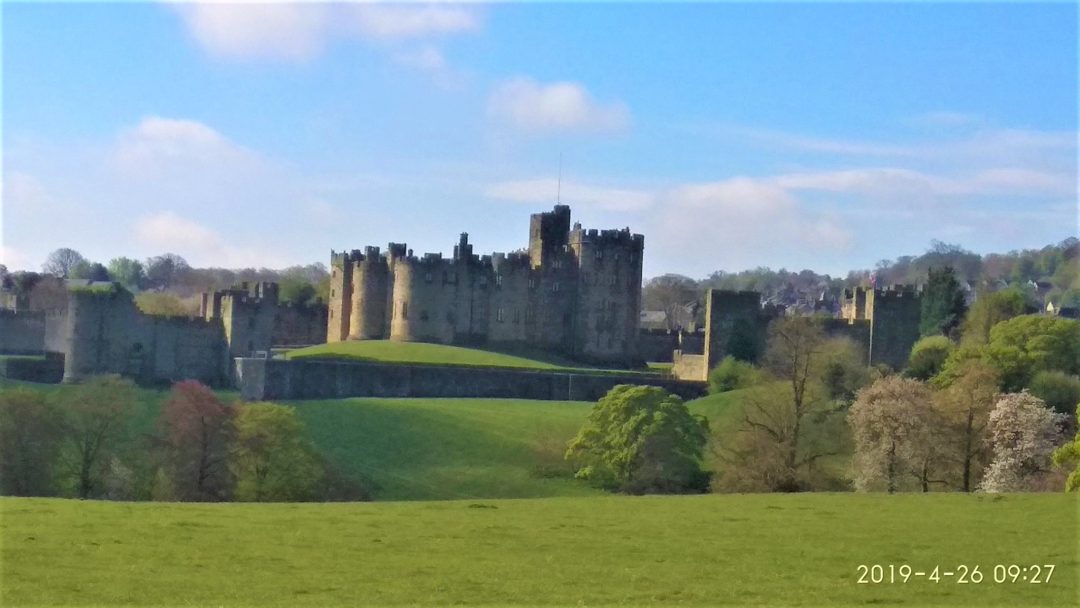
427	277
331	313
499	315
532	283
334	274
498	280
599	254
404	309
556	264
555	286
331	292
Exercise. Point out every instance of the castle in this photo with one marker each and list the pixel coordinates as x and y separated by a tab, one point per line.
884	323
573	291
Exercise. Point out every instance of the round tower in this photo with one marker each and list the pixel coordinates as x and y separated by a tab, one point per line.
370	280
404	317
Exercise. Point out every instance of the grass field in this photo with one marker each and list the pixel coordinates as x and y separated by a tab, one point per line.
428	449
390	351
746	550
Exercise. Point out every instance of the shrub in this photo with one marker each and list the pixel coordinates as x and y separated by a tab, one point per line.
1059	390
928	355
732	374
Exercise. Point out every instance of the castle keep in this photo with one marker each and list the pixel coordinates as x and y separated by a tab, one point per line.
573	291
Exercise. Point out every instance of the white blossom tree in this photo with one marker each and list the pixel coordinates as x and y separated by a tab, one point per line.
1022	436
891	422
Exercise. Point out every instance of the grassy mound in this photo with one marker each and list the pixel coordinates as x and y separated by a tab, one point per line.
740	550
390	351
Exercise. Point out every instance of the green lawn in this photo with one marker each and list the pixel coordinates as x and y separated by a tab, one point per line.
736	550
427	449
410	449
390	351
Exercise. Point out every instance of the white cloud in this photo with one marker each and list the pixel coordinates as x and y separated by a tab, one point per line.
544	190
742	223
427	58
896	183
300	31
199	245
247	31
560	106
14	259
161	145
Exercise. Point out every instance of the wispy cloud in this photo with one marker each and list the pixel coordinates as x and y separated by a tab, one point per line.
167	231
531	106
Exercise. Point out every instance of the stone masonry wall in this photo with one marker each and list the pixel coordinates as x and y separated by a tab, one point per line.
327	379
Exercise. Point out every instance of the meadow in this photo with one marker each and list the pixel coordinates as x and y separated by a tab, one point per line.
391	351
746	550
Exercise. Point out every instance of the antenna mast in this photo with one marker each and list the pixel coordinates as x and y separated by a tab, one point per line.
558	190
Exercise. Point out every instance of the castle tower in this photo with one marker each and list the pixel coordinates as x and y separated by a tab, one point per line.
338	317
548	234
733	326
370	277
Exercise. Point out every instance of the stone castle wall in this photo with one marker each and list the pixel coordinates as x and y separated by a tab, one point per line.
327	379
106	333
22	333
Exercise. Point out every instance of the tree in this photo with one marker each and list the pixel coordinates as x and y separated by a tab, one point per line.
640	440
890	420
732	374
1022	435
1060	391
942	303
127	272
197	428
162	304
1023	346
30	428
966	404
95	419
788	424
91	271
674	294
988	310
928	355
165	270
296	290
272	458
61	262
1068	457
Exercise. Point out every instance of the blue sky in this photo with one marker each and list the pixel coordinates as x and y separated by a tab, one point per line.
822	136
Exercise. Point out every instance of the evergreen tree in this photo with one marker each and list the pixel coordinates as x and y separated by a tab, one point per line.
943	304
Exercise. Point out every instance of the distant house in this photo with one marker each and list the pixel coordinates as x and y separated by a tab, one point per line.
653	320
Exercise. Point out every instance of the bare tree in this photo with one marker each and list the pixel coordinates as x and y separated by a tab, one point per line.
61	262
788	425
674	294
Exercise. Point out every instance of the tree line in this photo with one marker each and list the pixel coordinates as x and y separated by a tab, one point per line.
166	284
87	441
1054	270
991	411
